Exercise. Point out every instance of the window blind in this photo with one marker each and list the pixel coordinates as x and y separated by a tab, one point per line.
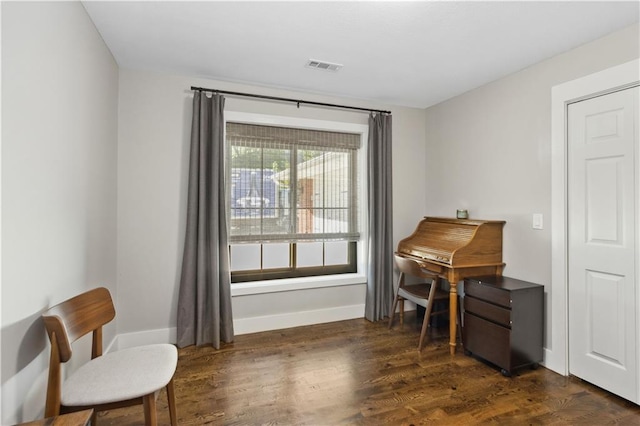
291	184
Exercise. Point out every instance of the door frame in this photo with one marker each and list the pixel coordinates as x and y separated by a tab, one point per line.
613	79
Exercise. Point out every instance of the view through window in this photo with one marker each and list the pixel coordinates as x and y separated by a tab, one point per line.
293	199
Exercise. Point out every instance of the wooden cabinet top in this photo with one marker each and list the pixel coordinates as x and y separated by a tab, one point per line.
503	283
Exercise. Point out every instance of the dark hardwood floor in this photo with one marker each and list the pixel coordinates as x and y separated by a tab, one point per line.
357	372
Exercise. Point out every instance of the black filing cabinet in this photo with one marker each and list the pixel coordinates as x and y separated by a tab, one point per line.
503	321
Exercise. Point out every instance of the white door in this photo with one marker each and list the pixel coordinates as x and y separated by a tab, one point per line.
603	229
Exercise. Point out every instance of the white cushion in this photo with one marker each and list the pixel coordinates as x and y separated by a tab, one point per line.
121	375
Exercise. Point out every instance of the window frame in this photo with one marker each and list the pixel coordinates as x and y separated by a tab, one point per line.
299	272
246	281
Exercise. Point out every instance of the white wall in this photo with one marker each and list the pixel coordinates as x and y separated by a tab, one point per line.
59	130
489	151
154	129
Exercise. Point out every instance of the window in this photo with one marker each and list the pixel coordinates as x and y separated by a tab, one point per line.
293	200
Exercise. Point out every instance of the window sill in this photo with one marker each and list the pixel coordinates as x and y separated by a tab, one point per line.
290	284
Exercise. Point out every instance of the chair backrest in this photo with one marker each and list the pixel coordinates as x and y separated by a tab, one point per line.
73	318
66	323
411	267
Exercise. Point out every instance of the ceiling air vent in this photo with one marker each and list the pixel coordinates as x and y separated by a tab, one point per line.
323	65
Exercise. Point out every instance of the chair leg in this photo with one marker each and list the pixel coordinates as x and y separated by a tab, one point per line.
172	403
423	332
425	323
393	311
401	301
149	402
428	310
395	301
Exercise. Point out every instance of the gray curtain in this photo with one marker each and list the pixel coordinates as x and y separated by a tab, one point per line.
204	302
380	256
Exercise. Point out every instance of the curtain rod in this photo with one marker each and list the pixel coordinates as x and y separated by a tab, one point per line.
297	101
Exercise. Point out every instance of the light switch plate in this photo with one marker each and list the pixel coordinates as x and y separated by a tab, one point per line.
537	221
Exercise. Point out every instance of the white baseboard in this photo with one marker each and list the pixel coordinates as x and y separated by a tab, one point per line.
244	325
148	337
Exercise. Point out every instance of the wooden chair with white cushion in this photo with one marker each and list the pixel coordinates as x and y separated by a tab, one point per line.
117	379
423	294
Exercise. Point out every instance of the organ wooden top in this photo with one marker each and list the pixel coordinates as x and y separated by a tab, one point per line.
439	243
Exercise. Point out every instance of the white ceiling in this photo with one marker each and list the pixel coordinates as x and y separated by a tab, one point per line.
401	53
